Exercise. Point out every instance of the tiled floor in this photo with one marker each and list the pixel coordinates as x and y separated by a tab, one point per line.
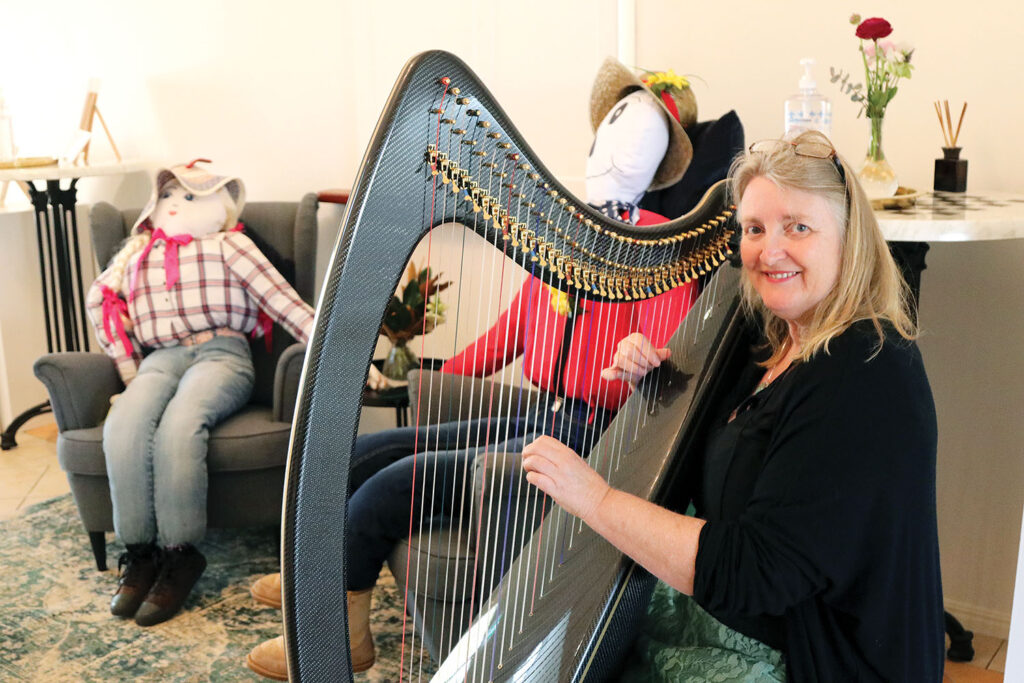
30	474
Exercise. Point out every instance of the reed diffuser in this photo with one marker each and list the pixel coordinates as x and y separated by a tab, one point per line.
950	170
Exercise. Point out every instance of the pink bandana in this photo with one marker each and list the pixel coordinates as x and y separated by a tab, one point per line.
113	307
171	271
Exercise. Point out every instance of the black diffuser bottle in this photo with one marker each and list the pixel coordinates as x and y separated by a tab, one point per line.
950	171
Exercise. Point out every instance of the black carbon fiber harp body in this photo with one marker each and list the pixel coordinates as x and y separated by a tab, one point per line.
575	631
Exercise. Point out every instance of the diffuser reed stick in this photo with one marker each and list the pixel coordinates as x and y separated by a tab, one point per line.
949	135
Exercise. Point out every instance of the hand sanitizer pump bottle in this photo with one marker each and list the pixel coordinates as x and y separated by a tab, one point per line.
808	109
7	151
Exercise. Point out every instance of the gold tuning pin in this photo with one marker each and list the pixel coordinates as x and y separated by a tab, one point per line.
504	145
472	112
454	91
448	122
462	100
458	131
483	124
493	135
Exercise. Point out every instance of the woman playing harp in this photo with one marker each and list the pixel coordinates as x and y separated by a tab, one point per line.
817	543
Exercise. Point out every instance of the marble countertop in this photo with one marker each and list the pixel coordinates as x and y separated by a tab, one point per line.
956	217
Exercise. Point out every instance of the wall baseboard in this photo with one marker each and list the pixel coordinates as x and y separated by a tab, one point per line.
981	620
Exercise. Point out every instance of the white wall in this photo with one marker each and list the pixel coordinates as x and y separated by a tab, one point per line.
287	94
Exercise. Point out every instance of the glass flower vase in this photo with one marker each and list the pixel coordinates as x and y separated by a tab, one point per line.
399	361
875	174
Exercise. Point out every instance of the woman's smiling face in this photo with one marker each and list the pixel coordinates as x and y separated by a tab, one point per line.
791	248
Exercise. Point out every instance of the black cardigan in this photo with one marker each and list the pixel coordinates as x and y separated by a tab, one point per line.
820	499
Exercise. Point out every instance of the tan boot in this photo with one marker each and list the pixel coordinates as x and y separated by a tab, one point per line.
268	659
267	590
359	637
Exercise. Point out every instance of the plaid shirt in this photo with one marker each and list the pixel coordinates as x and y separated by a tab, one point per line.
224	282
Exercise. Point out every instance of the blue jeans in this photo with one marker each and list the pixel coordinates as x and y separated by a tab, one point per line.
383	468
155	437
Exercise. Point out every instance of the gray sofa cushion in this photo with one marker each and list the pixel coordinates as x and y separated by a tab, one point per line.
248	440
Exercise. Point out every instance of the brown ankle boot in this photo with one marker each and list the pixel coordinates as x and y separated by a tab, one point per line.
267	590
180	568
359	637
268	659
138	567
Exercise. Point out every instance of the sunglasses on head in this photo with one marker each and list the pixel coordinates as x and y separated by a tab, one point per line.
815	150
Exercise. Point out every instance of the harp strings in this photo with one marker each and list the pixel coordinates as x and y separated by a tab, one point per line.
474	152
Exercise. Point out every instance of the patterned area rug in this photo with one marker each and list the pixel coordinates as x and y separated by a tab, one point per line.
55	623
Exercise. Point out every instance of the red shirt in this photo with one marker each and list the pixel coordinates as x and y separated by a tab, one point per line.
531	326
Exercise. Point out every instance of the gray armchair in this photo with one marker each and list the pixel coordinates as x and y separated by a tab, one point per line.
248	451
451	552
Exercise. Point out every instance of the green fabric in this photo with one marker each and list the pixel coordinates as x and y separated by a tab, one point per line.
679	641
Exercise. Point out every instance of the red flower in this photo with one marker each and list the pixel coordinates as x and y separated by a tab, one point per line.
874	28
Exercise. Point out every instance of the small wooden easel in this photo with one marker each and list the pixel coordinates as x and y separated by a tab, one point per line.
88	111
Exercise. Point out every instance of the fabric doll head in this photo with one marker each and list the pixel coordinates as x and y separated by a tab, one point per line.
628	148
189	199
639	141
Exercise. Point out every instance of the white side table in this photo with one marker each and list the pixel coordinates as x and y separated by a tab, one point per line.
60	263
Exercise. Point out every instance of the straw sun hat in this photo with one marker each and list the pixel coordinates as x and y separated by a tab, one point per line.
196	180
614	81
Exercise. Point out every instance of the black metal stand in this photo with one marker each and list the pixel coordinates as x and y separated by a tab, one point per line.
60	271
7	441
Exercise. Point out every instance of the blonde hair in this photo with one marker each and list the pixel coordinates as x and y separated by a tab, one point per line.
119	263
869	286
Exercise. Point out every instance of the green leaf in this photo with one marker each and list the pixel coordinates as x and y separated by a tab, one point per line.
398	317
413	297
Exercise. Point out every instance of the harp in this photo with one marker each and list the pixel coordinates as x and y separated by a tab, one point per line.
443	140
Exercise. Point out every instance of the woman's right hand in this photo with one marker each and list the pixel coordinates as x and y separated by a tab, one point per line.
634	358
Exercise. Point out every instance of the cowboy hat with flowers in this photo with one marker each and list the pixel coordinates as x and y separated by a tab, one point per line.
671	91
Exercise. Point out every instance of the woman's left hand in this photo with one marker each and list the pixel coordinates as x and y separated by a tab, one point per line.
556	470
